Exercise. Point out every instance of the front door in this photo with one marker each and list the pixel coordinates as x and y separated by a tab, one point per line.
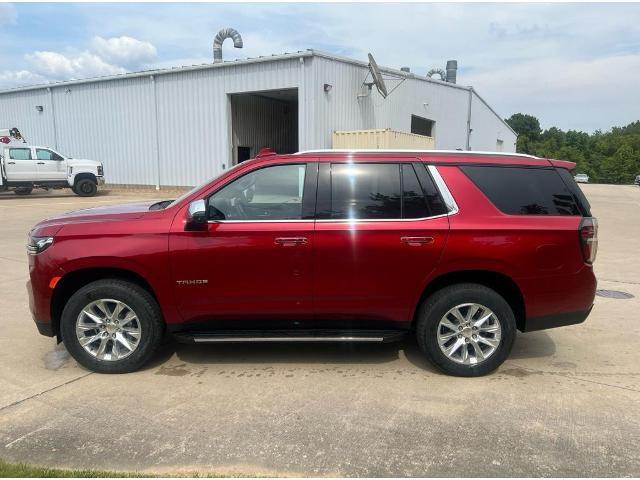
253	262
20	165
52	167
380	232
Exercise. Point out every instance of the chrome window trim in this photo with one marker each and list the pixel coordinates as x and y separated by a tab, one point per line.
449	201
309	220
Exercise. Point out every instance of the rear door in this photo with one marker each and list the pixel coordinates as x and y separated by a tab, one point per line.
380	232
20	165
51	166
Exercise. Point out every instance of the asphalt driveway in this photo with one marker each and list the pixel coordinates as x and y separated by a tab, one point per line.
566	403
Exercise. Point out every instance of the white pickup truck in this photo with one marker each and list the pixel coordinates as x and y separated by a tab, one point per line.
25	167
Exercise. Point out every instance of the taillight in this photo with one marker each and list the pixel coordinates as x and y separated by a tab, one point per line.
589	238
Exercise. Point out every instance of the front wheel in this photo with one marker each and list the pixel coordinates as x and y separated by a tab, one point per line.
86	188
466	330
111	326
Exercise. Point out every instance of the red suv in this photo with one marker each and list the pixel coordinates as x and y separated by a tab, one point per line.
459	249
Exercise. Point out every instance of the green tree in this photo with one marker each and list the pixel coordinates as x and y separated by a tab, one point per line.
612	156
526	125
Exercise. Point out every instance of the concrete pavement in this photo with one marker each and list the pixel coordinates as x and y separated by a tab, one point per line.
566	403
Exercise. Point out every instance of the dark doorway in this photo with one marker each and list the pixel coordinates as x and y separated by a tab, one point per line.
264	119
244	153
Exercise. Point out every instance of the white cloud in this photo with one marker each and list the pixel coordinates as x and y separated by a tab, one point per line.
18	78
8	14
124	51
106	56
60	66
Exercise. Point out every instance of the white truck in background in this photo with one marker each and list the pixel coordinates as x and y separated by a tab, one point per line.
24	167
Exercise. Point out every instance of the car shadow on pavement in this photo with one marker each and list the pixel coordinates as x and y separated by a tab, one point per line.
530	345
291	353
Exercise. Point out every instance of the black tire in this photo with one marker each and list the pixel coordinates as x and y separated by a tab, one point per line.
437	305
86	187
23	190
140	301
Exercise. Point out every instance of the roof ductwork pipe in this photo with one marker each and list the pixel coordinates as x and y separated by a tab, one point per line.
222	35
452	70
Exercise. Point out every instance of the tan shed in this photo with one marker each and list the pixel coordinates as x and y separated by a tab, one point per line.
381	139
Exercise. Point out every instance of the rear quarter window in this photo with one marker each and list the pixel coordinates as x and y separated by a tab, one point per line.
524	191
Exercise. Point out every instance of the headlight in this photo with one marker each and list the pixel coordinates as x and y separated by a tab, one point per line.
38	244
100	171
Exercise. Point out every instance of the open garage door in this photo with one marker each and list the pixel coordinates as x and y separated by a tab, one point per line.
264	119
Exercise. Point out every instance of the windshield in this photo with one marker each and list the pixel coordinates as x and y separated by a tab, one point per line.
195	189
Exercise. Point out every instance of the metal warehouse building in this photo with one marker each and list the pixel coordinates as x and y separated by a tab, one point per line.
182	126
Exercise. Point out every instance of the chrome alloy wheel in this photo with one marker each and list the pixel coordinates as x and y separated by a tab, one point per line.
108	329
469	333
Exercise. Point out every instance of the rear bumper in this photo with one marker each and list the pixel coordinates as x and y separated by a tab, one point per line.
556	320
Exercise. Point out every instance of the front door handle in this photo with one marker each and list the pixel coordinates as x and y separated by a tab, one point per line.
11	163
290	241
40	163
416	241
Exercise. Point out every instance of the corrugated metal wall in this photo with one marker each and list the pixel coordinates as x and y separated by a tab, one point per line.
341	109
486	130
175	128
111	122
19	110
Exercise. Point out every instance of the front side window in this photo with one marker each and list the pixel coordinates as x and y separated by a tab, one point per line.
271	193
20	153
43	154
365	191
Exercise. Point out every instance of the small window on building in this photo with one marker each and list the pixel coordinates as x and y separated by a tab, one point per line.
422	126
499	145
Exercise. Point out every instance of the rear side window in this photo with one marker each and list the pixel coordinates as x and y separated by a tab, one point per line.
573	187
361	190
524	191
420	197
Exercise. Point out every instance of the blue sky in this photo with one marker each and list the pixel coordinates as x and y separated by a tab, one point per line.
576	66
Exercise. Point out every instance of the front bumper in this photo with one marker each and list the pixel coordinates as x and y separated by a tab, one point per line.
100	180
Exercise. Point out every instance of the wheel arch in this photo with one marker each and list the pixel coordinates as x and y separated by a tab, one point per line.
84	176
74	280
501	283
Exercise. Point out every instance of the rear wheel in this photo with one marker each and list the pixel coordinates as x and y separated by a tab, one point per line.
23	190
111	326
86	187
466	330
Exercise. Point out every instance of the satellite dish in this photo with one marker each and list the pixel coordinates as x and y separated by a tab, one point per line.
378	81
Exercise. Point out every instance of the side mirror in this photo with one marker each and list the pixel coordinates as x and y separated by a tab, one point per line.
196	215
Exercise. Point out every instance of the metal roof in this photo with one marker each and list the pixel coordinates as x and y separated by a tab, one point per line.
231	63
248	61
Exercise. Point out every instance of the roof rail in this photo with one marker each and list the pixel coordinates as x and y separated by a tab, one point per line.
380	150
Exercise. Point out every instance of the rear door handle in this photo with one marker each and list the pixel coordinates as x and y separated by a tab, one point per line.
290	241
11	163
416	241
40	163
